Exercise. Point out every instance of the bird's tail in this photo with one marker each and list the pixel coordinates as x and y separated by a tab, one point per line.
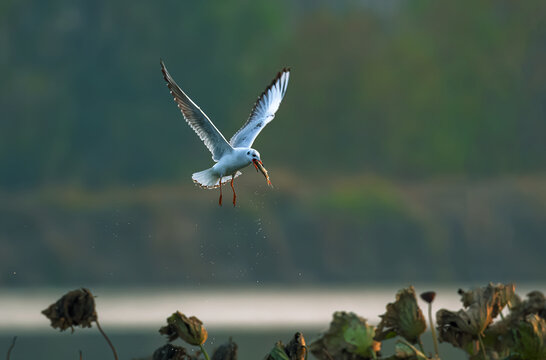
209	179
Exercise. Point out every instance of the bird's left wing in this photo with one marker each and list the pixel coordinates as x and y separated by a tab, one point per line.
263	112
196	118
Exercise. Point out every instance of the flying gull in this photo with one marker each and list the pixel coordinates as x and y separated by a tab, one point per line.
232	156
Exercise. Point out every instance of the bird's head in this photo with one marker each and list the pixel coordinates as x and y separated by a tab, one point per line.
253	156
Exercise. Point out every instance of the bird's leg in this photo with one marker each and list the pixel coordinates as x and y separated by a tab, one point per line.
232	188
220	200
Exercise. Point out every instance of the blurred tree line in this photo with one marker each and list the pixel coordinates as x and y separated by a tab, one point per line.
404	89
416	126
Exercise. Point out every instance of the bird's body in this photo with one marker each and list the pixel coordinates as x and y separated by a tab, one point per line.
237	154
232	162
227	166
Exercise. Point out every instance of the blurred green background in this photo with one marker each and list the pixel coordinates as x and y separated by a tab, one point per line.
410	145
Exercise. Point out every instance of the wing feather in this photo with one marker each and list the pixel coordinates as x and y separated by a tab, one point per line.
197	119
263	111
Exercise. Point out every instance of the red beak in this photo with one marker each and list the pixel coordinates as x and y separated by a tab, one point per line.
260	167
254	163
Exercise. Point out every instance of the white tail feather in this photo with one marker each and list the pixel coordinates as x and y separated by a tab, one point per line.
209	179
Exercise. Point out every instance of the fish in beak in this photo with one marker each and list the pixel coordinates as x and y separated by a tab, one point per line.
260	166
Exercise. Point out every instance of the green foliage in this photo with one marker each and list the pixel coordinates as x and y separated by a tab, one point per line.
278	353
349	336
361	337
530	341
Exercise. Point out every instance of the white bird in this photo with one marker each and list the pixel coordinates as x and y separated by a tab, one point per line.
232	156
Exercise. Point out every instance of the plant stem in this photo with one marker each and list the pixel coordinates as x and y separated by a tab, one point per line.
204	352
482	346
107	339
433	331
421	347
11	347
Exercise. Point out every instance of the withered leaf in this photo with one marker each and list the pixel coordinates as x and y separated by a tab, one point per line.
171	352
482	305
296	348
227	351
191	329
404	350
75	308
403	317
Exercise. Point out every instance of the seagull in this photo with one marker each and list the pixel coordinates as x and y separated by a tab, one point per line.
232	156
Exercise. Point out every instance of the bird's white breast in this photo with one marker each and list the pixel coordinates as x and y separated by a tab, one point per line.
230	163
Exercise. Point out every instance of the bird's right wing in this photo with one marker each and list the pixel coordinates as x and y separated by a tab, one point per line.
263	112
196	118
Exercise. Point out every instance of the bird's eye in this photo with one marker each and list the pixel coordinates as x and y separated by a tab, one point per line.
248	152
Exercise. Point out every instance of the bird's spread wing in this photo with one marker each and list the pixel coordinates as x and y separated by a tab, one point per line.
199	122
263	111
